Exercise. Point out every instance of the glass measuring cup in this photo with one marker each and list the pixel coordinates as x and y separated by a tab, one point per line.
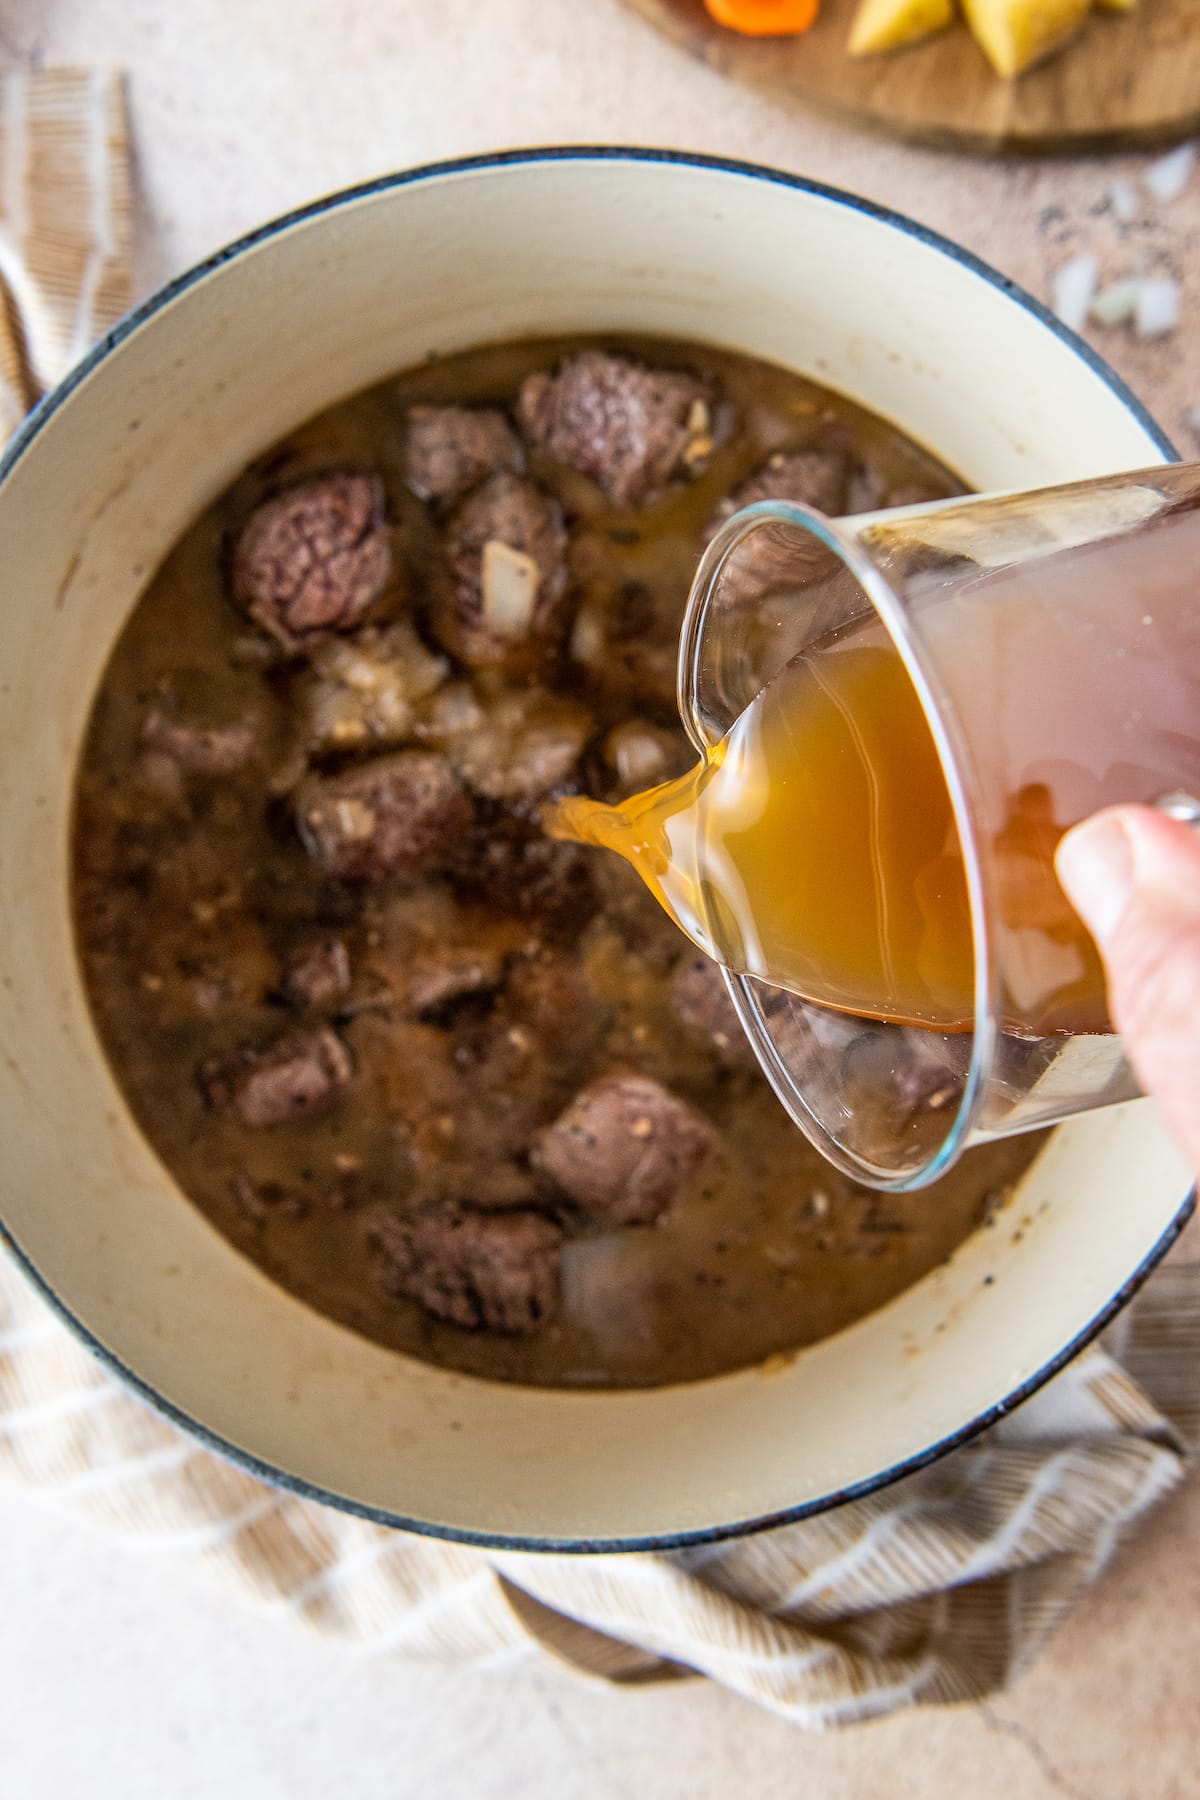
1053	642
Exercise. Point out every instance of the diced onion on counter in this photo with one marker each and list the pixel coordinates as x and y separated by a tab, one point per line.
1157	306
1122	197
1072	289
1167	178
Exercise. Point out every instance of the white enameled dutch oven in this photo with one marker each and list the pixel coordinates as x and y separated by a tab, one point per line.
100	482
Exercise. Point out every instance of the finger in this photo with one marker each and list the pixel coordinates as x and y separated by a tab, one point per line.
1133	875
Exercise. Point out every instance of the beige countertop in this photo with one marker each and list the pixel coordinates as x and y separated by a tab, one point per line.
124	1675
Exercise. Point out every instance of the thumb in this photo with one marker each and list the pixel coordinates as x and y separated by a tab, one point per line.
1133	875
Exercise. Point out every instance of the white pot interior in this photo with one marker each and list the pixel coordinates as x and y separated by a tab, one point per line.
89	505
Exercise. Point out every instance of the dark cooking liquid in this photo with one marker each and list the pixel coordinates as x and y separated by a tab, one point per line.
190	898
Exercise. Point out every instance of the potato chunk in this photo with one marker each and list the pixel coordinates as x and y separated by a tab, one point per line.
1013	34
887	24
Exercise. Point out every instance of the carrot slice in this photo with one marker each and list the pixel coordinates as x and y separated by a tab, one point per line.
764	18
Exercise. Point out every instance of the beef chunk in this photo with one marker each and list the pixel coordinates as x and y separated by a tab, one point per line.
813	477
900	1096
268	1084
448	450
702	1002
201	749
624	1148
314	557
433	951
396	815
319	974
511	861
489	1271
499	599
450	972
523	1060
625	639
628	427
780	557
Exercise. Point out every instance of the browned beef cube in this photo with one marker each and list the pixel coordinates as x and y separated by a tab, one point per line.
429	949
813	477
314	557
319	974
624	1149
629	428
624	639
448	450
702	1002
493	1271
439	976
397	815
201	749
776	559
268	1084
520	869
499	600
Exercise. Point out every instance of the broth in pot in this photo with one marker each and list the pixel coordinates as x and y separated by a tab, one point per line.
461	1087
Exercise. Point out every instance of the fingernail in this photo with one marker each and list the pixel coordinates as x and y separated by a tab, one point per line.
1095	865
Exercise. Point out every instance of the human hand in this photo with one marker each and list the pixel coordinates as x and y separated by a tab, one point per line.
1133	875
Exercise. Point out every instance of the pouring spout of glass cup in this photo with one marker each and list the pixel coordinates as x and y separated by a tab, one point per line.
1052	641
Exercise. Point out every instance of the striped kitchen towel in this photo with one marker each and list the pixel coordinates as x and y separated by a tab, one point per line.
940	1589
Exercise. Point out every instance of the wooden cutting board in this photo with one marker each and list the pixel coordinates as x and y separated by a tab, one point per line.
1131	79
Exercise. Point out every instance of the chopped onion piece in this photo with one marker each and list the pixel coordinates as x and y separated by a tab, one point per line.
1122	197
637	752
510	584
450	714
1167	178
1157	307
1117	303
1072	287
